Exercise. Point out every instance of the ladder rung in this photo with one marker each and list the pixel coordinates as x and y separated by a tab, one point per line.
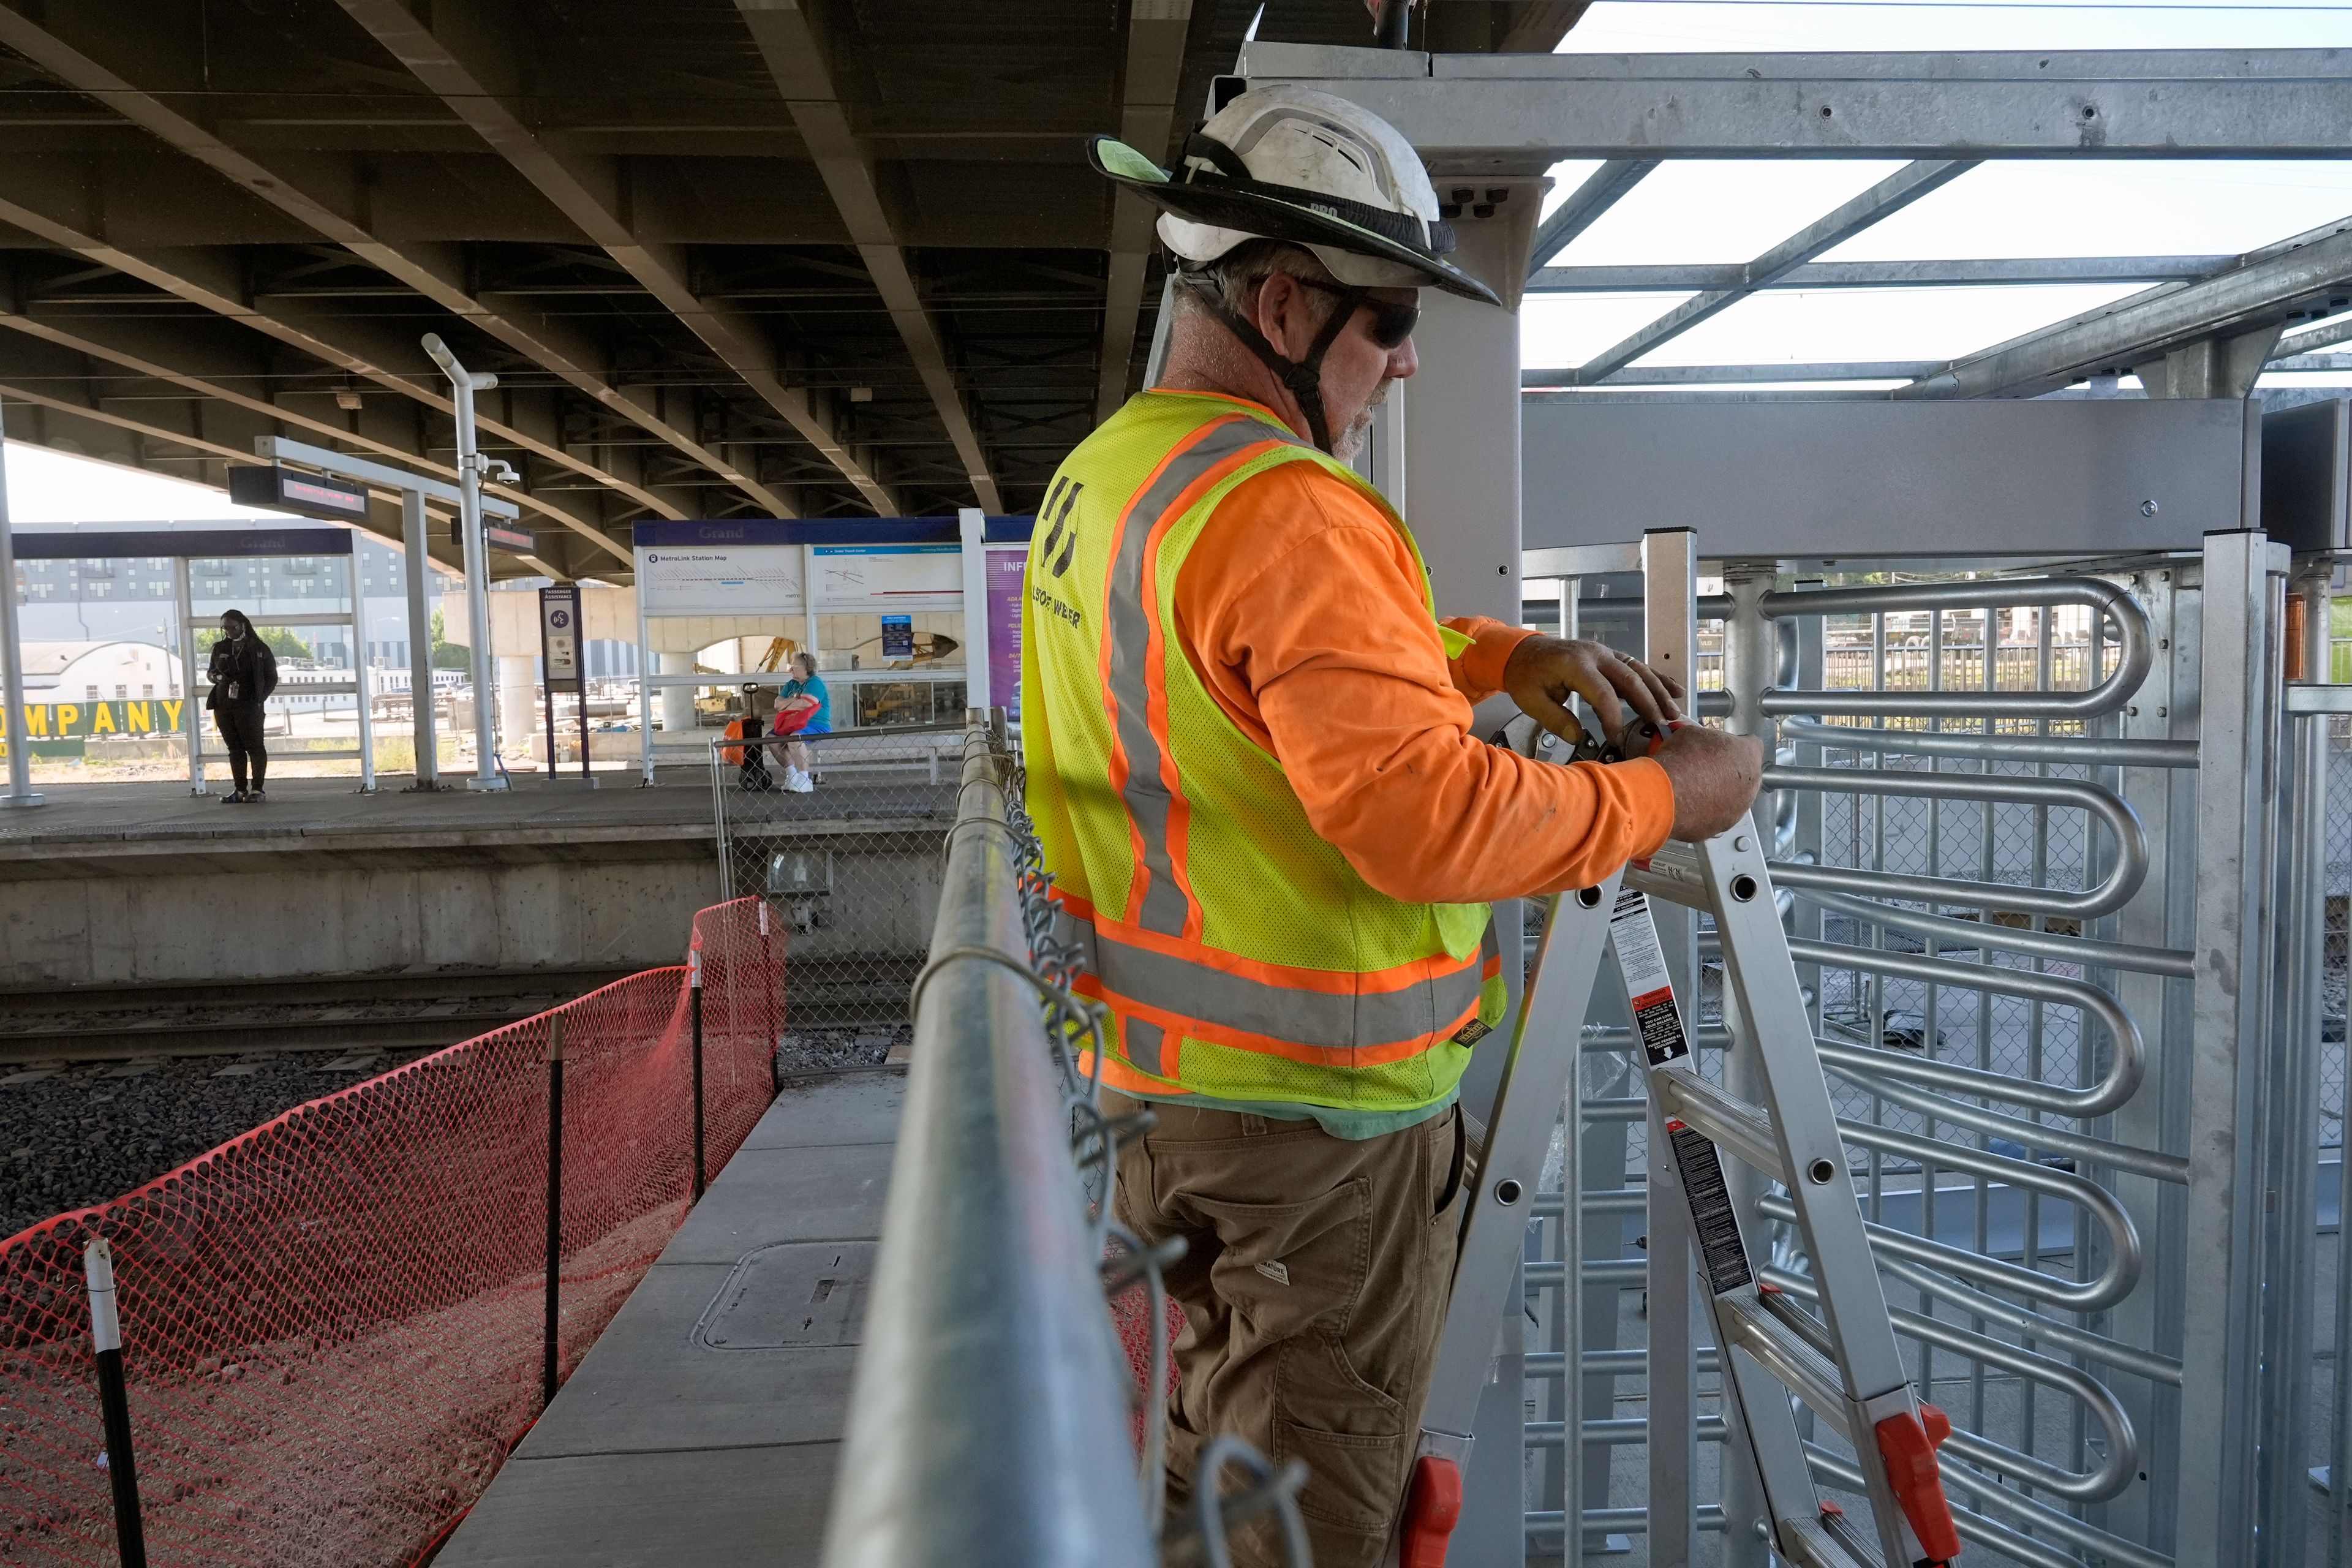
1786	1356
1678	881
1729	1122
1812	1546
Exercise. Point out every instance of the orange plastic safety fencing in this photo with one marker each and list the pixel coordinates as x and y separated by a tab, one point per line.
333	1326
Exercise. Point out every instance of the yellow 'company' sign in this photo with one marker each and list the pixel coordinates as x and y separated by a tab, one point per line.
79	720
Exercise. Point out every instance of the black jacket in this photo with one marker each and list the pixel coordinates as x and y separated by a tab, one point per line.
245	663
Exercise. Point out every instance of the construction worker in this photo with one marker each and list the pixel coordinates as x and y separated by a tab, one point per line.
1250	760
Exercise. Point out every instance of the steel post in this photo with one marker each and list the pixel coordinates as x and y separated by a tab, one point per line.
2219	1348
194	712
550	1331
114	1405
11	661
417	573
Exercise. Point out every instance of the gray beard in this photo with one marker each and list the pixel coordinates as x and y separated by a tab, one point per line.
1347	444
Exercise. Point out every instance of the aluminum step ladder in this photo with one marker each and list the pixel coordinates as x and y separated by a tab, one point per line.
1843	1363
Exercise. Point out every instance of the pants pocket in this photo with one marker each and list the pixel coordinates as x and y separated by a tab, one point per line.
1455	1165
1353	1481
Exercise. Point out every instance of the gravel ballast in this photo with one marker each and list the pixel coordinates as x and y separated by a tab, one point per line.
74	1136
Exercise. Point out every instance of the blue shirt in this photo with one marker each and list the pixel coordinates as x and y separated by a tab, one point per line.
821	723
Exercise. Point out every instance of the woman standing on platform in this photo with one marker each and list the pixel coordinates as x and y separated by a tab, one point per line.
803	707
243	672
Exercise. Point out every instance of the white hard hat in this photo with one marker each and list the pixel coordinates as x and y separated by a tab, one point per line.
1293	164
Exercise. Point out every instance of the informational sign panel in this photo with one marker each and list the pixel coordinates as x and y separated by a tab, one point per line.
1007	571
306	495
910	577
897	636
559	652
559	633
720	580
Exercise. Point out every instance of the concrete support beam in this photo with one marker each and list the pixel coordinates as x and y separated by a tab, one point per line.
455	54
434	272
1155	58
802	62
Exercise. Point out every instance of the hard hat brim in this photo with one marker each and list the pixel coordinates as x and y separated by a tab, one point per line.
1272	217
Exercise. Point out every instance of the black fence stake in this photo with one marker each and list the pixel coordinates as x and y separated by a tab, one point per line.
114	1400
694	985
547	1378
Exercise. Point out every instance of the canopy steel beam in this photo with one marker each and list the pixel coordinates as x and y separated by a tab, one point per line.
1603	189
801	63
1520	113
1891	194
433	272
1730	374
1155	59
1881	274
2264	289
471	73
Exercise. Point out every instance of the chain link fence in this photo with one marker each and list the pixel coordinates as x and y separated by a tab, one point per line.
980	1192
850	865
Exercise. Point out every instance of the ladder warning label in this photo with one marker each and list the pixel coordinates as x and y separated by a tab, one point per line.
1648	991
1712	1220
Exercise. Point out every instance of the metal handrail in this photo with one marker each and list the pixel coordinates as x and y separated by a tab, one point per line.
2123	880
988	1424
2134	642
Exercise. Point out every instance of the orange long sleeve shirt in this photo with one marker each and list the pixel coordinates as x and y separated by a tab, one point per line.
1301	609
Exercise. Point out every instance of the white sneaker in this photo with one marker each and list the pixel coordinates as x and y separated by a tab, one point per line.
798	781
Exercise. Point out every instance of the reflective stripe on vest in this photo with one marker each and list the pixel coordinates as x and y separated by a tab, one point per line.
1316	1011
1160	899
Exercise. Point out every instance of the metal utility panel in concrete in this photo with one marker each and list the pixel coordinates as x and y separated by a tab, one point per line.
1869	479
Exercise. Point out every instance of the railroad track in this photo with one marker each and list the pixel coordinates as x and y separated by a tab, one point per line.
358	1014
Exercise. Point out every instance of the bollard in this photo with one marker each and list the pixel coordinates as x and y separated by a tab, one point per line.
694	985
114	1400
547	1378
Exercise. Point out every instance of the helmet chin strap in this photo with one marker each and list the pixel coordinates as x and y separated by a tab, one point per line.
1303	377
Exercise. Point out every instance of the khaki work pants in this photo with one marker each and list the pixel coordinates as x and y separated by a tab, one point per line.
1313	1287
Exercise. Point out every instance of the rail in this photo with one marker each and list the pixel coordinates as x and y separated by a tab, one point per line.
989	1414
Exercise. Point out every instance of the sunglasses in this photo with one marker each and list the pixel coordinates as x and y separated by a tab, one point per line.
1392	322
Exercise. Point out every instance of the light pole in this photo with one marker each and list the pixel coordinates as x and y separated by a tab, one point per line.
464	383
11	661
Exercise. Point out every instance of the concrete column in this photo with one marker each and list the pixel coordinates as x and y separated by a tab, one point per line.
675	707
518	697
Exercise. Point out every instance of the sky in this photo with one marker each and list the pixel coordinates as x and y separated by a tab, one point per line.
1731	211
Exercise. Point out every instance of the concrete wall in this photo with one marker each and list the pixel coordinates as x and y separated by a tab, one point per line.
282	917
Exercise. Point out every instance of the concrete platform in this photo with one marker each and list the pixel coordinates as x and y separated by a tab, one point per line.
703	1427
136	884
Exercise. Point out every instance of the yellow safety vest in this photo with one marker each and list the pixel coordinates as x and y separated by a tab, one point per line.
1240	956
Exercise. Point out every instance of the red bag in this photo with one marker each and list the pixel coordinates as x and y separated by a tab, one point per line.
793	715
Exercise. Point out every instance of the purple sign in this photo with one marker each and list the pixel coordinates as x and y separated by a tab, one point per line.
1008	567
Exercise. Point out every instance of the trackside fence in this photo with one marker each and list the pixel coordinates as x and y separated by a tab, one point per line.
334	1327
